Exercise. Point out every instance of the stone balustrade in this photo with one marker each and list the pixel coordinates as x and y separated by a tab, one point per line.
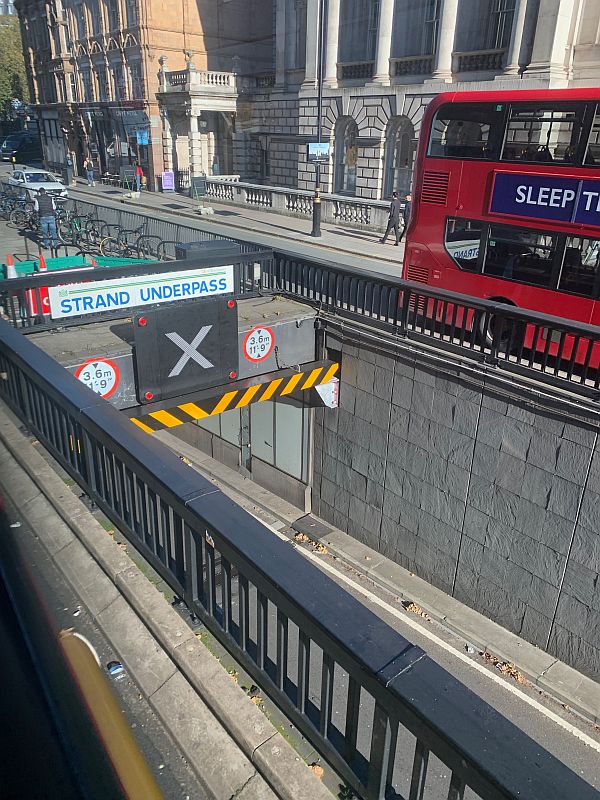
412	65
206	80
479	61
336	209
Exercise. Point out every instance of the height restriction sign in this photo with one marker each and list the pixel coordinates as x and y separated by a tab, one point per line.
258	344
101	375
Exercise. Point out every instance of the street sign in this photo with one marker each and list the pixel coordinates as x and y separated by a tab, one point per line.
258	344
318	152
96	296
101	375
185	348
167	183
198	186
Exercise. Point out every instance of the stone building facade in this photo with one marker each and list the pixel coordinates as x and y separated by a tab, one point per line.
385	59
231	88
96	69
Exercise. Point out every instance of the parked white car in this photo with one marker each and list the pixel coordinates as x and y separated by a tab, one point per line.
31	180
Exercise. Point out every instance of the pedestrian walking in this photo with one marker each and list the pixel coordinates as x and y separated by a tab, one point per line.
45	206
406	214
139	175
89	171
393	219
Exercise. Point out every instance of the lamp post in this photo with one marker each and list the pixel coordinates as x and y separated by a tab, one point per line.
316	216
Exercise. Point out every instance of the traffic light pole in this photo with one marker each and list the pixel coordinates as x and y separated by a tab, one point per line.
316	216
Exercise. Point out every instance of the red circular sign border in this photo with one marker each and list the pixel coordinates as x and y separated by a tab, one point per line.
270	350
80	369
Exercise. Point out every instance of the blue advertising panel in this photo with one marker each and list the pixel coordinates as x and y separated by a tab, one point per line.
546	197
588	208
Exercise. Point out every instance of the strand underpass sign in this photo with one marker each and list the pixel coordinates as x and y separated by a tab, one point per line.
185	347
74	300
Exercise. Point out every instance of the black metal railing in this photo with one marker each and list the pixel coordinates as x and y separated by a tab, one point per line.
548	349
374	705
22	299
183	180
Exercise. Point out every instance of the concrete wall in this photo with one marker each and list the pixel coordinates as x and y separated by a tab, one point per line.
483	495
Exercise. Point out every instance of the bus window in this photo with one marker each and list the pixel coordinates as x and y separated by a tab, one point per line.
592	155
463	240
542	134
469	130
580	266
518	254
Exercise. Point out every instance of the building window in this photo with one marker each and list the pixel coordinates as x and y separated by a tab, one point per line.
62	88
358	17
400	149
102	80
131	10
73	85
120	91
346	156
86	84
415	16
80	21
114	22
96	12
137	81
484	25
296	34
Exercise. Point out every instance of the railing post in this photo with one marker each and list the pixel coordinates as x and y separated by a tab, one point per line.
405	311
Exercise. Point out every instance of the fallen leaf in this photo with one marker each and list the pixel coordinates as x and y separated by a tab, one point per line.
317	770
416	609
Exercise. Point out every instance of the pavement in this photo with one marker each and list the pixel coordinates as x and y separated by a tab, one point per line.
359	248
227	740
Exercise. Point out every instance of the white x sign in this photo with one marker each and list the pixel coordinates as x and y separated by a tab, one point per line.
190	351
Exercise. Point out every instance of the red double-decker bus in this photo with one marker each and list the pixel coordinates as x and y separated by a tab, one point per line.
506	199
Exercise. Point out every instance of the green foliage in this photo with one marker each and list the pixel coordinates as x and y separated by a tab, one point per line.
13	82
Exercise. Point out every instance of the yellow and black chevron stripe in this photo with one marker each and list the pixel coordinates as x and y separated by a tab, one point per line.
319	373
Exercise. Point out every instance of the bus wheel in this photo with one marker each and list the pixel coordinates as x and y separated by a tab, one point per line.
506	334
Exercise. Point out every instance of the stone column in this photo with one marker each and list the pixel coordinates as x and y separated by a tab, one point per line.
167	140
516	39
312	25
447	27
331	46
194	143
280	31
549	55
384	42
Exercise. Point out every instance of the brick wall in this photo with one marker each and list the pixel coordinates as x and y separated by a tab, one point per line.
495	502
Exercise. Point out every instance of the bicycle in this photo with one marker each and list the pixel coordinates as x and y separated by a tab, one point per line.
124	244
71	227
22	208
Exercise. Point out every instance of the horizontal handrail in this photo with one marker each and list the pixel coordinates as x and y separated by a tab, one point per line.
550	350
264	601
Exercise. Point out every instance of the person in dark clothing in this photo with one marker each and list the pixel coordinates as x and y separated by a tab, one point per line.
46	208
406	214
393	219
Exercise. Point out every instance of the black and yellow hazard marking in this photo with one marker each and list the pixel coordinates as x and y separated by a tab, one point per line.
237	398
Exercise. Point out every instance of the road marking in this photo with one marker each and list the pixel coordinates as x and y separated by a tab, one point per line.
401	615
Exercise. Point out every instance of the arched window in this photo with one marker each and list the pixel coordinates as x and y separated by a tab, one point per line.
400	149
346	153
